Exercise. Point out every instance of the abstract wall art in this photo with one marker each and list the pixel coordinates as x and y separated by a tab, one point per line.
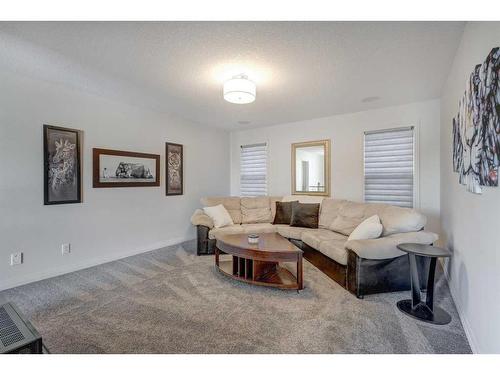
476	128
62	177
113	168
174	166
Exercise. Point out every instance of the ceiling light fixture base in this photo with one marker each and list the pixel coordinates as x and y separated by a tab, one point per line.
240	90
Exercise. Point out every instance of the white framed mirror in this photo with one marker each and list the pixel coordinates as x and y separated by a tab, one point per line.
311	168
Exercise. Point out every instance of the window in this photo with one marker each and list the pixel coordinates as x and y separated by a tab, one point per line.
253	170
389	166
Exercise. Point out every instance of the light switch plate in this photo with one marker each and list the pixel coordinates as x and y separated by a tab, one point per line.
16	259
65	248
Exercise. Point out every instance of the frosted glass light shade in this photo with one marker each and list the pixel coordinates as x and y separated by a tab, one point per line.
239	90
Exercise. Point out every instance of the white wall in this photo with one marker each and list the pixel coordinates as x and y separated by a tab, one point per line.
346	133
470	222
110	223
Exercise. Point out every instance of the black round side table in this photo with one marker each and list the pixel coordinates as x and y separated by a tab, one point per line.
415	307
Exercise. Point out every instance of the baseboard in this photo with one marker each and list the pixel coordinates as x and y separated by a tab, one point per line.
465	323
22	280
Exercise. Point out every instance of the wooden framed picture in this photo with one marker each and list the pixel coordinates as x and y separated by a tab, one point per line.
174	169
113	168
61	165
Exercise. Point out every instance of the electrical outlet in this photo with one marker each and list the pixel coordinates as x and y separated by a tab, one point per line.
16	258
65	248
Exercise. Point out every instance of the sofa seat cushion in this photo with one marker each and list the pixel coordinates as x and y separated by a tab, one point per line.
292	232
334	249
243	228
255	210
232	205
259	228
314	238
231	229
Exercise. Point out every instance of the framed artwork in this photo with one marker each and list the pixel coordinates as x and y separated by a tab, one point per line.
113	168
61	165
174	169
476	141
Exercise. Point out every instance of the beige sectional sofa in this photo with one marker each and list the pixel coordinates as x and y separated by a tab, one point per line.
361	266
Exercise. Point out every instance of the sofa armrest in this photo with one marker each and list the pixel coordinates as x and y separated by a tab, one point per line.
386	247
200	218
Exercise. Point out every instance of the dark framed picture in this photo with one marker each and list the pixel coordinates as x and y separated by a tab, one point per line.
174	169
61	165
113	168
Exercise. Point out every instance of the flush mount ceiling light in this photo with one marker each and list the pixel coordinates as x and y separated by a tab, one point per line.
239	90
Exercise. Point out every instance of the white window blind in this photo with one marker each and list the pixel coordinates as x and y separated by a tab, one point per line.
389	166
253	170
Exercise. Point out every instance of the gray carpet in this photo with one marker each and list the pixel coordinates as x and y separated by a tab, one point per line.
172	301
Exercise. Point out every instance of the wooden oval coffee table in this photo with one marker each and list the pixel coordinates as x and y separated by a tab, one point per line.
259	264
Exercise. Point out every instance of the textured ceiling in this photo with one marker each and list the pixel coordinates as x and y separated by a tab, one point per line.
303	70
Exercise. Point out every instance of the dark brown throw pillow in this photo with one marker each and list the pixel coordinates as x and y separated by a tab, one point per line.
283	212
305	215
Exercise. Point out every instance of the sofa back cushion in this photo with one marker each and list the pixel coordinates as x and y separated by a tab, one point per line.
255	210
349	216
329	210
401	220
339	215
303	198
231	204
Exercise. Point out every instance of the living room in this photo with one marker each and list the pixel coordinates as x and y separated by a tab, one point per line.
249	187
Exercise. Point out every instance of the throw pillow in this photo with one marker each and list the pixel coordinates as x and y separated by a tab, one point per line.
283	213
219	215
304	215
368	229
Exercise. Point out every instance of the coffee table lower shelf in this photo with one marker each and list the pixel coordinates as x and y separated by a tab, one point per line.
258	273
